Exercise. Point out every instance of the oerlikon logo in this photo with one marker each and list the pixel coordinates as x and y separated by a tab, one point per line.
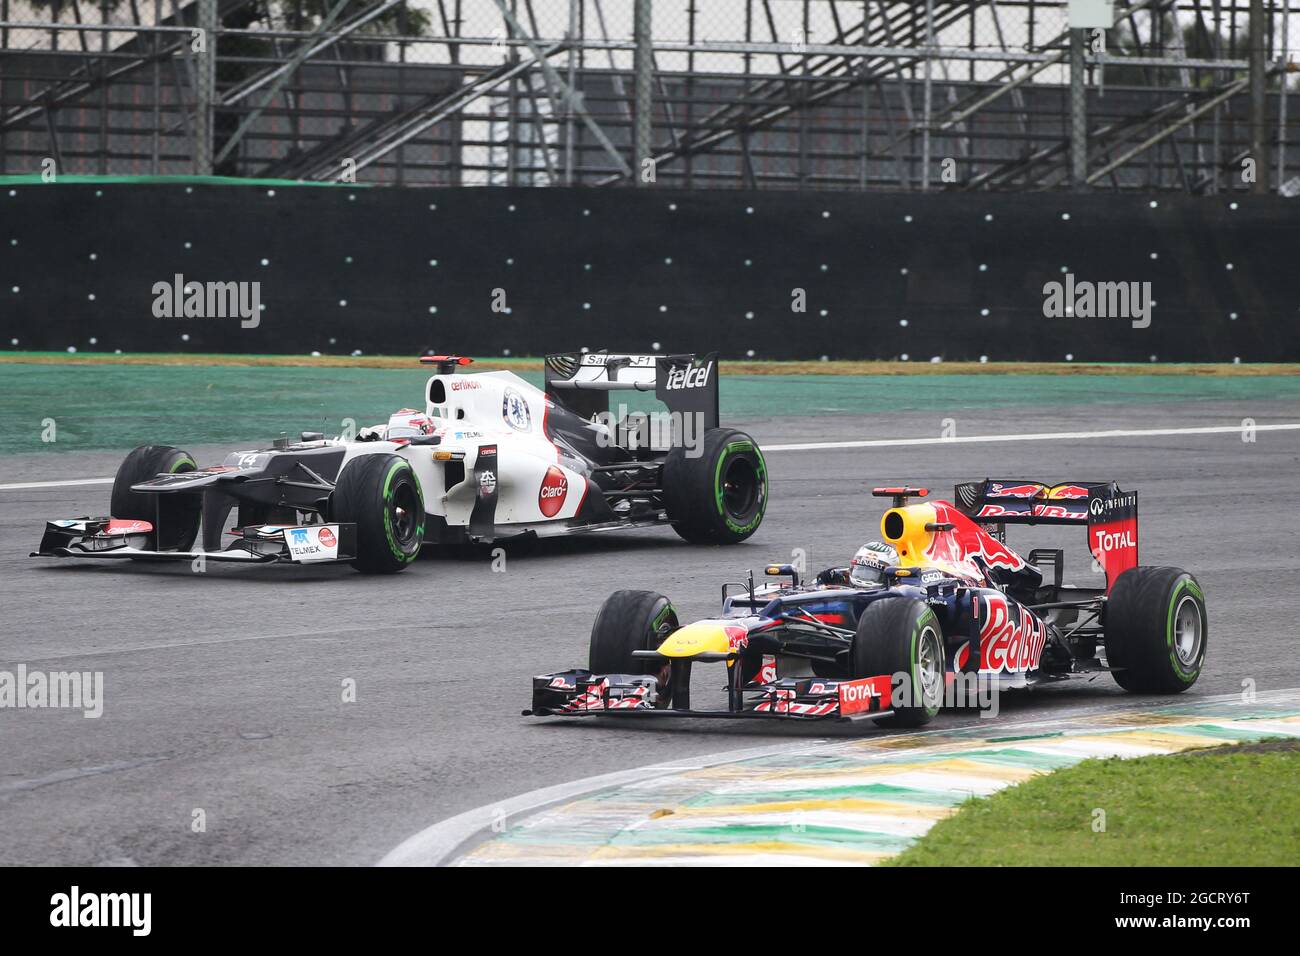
555	488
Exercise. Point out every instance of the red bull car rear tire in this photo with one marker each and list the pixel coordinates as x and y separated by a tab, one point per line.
1156	630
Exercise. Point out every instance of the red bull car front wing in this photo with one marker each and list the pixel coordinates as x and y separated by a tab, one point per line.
578	693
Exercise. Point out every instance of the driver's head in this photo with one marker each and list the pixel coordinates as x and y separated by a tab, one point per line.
868	566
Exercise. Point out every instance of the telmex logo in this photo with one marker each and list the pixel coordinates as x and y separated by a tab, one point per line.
685	376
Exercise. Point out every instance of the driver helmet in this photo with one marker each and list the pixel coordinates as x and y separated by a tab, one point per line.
867	569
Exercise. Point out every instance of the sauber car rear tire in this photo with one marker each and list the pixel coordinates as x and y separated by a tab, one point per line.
720	495
899	635
381	496
633	621
175	516
1156	630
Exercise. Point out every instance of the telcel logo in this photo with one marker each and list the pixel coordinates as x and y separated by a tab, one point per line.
686	376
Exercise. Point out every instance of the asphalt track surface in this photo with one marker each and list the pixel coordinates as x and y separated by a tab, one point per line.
223	691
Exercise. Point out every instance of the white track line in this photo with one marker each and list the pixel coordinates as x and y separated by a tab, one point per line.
1040	436
437	844
872	443
28	485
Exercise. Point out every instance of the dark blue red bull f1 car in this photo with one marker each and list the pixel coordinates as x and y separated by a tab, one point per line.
942	603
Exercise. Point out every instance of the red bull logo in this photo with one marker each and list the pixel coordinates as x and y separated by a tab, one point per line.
966	539
1011	637
1071	492
1032	490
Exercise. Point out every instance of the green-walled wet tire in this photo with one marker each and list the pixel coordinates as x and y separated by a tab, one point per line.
633	621
901	636
381	496
1156	629
719	495
175	516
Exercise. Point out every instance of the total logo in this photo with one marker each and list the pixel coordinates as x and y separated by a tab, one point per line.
554	490
1113	541
688	376
856	696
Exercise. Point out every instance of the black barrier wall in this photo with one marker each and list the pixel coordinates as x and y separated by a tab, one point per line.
522	272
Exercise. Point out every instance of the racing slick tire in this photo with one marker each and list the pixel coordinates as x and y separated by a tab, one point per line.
1155	630
175	516
899	635
633	621
381	496
720	495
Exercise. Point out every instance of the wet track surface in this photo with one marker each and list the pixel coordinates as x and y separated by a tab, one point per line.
223	691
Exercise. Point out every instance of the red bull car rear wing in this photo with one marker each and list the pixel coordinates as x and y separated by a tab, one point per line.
1109	513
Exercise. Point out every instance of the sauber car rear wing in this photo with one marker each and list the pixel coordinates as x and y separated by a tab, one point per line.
1109	513
687	384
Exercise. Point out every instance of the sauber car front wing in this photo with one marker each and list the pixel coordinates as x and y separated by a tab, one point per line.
580	693
256	544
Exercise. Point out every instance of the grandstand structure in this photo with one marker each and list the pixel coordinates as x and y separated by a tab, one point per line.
917	95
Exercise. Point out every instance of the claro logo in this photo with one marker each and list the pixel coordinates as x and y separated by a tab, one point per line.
555	488
688	376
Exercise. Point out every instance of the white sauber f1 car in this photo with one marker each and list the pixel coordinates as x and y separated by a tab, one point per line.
491	457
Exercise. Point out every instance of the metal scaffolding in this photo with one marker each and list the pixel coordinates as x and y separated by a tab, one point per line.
1186	95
